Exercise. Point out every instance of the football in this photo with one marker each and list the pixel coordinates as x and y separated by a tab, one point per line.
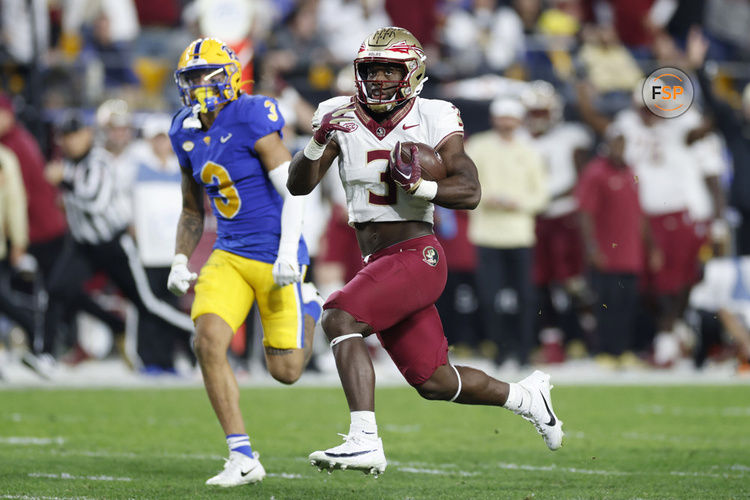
432	165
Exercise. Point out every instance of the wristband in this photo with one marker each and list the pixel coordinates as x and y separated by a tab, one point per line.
314	150
180	258
426	190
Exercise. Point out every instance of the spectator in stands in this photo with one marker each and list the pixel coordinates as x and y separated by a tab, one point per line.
157	201
609	66
630	20
514	190
565	297
298	49
239	24
347	22
529	12
420	17
78	14
735	127
483	38
107	60
614	230
25	35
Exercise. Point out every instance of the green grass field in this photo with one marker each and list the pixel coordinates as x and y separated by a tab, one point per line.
622	442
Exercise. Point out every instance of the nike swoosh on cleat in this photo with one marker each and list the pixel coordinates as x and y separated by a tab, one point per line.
552	420
243	474
355	454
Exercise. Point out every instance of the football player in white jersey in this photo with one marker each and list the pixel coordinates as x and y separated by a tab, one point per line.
558	255
390	205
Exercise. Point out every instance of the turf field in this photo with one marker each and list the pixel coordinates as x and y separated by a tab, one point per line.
622	442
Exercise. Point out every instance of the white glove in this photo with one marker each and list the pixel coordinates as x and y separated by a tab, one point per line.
180	276
286	270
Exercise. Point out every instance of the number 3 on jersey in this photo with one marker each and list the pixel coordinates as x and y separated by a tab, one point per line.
385	178
228	203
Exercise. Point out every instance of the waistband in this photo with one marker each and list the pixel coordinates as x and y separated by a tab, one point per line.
411	243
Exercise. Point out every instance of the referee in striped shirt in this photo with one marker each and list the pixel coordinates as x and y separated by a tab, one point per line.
98	209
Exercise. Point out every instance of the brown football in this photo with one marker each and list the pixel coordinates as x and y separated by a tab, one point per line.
433	168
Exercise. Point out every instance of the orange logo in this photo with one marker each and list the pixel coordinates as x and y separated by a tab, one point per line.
667	92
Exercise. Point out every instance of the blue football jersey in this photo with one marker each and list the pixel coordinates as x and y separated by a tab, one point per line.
224	161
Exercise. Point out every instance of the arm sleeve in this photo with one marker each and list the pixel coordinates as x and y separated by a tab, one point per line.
292	212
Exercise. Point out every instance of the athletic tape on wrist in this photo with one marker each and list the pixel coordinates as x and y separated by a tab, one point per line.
458	392
345	337
427	190
313	151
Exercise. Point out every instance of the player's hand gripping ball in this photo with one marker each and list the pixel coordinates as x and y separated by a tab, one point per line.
410	162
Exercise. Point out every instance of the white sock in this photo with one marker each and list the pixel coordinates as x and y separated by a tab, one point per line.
519	399
364	422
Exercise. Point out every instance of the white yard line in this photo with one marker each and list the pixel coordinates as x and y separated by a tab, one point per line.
36	441
735	471
126	454
694	411
554	468
27	497
441	472
65	475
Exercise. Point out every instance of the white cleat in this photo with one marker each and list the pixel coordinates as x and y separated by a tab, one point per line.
43	364
239	469
540	412
357	453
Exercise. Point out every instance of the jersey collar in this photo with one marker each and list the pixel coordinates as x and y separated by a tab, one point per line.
382	129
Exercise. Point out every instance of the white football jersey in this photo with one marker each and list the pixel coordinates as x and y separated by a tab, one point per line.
661	159
708	161
371	195
557	147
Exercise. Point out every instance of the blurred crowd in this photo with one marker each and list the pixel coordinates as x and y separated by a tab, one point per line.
603	231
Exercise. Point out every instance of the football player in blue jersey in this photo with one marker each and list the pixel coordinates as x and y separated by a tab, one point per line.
229	144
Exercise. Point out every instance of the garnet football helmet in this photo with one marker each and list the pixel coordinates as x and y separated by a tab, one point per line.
208	74
390	45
